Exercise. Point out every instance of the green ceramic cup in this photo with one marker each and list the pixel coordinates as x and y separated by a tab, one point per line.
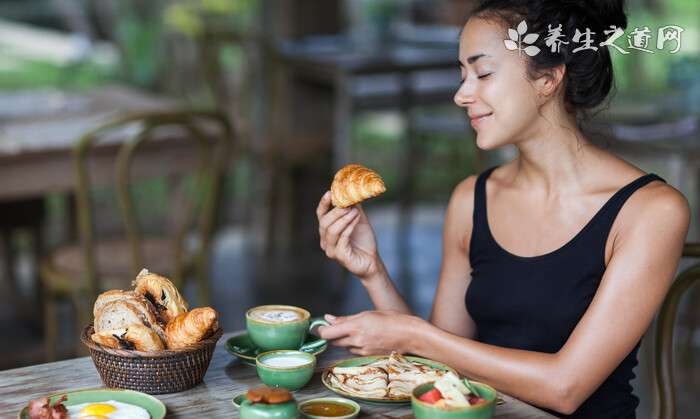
270	330
285	368
286	410
423	410
332	400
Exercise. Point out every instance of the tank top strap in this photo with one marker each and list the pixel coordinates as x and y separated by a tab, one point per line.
480	238
606	216
480	220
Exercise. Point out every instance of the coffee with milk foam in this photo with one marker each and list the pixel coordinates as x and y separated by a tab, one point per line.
275	315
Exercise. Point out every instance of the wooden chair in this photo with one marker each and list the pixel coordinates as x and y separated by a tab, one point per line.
80	272
663	336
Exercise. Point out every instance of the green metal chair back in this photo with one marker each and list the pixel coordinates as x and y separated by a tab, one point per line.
663	336
213	155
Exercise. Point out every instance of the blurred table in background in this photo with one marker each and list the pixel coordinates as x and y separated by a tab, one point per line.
38	130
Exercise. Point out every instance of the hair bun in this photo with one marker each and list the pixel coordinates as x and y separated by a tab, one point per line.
611	12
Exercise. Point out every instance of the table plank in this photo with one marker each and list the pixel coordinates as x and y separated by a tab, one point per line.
225	378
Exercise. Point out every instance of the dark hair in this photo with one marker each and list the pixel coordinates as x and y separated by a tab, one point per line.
589	74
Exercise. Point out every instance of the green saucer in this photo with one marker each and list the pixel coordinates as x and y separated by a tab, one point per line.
240	345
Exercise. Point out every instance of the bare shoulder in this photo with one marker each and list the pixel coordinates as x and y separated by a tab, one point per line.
657	204
660	199
460	210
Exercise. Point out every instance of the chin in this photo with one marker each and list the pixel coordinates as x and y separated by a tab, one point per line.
484	142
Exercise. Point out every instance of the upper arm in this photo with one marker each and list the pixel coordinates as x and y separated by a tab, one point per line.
646	249
449	311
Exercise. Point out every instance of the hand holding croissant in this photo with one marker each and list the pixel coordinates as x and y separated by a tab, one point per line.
345	233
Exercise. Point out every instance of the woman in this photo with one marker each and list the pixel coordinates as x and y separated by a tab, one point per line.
564	270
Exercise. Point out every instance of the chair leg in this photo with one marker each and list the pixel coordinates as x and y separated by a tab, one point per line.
50	326
83	316
9	262
38	297
203	286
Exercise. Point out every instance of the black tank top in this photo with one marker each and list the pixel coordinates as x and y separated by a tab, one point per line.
534	303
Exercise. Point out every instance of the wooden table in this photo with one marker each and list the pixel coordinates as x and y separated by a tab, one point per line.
225	378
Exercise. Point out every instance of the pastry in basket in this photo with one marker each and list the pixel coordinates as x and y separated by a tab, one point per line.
135	336
162	293
118	314
191	327
353	184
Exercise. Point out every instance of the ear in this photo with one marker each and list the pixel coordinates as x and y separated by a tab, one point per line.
549	81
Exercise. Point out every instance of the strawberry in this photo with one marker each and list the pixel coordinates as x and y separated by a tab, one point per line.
431	396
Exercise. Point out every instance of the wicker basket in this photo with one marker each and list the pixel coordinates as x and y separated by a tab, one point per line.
167	371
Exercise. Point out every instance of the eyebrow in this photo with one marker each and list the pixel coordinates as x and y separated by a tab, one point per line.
472	59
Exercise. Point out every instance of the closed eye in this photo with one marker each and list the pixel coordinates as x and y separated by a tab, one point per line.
483	76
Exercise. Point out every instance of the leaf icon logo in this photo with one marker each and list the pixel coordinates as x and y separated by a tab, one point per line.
516	40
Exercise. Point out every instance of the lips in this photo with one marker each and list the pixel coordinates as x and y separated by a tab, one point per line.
477	120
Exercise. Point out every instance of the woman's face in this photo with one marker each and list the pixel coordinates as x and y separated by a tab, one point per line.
499	99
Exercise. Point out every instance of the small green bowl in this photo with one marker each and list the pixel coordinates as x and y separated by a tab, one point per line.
336	400
286	410
290	377
423	410
238	400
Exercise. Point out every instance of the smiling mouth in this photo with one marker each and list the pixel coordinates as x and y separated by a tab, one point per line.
477	120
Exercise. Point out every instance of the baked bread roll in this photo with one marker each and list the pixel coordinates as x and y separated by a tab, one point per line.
191	327
353	184
119	314
162	293
135	336
131	296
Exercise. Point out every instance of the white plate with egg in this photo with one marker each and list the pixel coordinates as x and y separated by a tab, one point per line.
108	403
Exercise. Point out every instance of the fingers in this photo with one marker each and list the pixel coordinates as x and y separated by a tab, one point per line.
359	351
323	205
345	342
334	230
335	331
329	219
344	240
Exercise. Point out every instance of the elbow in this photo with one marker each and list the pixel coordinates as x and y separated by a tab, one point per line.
566	397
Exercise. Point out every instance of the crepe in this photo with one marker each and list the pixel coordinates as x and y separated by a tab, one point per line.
404	375
364	381
393	377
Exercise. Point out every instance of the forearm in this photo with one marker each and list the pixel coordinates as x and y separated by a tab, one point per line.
383	292
534	377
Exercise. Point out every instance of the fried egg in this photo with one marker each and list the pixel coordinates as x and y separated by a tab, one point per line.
111	409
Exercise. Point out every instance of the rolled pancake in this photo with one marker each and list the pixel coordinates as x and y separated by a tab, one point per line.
363	381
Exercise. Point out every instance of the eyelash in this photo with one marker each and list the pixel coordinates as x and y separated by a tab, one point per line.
478	77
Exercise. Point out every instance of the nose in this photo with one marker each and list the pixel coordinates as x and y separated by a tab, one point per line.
465	94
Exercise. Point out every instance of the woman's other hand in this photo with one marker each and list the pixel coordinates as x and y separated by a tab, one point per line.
371	332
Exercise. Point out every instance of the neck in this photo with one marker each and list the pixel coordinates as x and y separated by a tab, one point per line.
552	156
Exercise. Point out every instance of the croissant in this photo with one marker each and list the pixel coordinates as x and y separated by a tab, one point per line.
134	336
355	183
191	327
162	293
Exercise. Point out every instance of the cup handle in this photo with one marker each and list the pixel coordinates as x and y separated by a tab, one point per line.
309	347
